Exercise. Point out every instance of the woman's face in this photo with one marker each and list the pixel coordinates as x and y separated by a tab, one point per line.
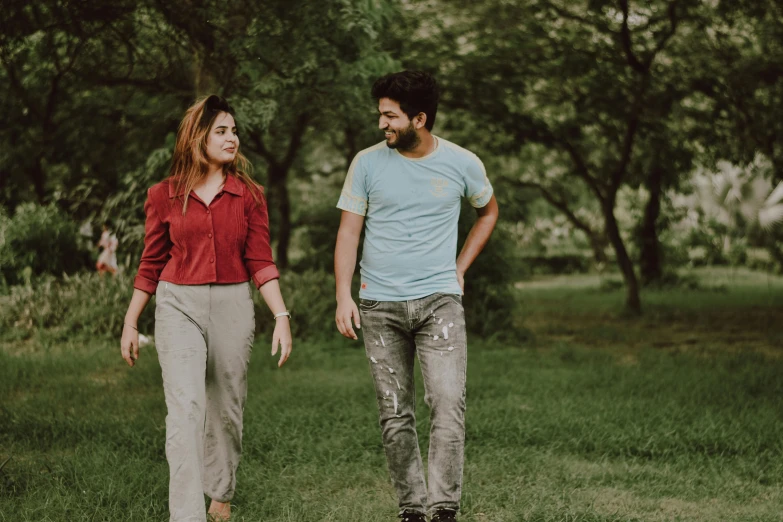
222	140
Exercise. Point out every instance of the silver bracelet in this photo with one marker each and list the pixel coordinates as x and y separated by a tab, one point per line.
283	314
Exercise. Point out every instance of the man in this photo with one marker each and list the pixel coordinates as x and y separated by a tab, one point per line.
409	189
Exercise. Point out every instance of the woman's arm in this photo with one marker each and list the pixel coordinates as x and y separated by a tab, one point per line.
262	269
281	337
130	329
157	251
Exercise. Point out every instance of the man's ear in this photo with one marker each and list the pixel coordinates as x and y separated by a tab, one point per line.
419	120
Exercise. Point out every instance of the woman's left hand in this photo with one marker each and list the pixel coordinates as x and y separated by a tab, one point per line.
282	338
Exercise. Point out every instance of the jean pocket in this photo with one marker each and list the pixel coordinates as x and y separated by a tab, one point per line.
368	304
455	298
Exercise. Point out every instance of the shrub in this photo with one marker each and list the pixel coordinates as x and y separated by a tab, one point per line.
91	305
40	240
560	263
491	307
310	296
83	304
87	304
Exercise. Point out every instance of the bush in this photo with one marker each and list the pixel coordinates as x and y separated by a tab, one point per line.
84	304
40	240
87	304
491	306
310	296
563	263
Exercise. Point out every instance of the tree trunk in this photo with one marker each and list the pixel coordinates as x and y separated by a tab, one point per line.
282	204
598	245
204	81
650	249
775	250
39	180
632	301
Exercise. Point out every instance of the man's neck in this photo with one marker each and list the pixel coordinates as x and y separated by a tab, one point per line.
426	146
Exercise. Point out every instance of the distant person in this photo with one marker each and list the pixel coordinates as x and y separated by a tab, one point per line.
409	189
206	236
107	259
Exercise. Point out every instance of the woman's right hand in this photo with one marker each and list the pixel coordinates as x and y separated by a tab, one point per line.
130	344
282	337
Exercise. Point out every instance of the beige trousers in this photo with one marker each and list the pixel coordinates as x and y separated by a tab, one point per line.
203	335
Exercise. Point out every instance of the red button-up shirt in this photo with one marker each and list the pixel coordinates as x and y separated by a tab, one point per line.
224	242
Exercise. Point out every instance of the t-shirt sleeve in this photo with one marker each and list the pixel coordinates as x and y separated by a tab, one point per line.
354	196
478	189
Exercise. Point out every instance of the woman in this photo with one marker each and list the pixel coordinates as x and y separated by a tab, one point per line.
206	235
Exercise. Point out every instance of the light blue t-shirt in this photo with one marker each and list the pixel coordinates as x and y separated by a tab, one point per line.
412	209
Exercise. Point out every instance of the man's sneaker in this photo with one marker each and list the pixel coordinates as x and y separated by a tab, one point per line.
412	516
445	515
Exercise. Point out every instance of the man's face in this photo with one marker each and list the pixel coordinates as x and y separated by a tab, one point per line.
398	129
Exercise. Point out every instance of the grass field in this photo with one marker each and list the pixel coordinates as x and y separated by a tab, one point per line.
677	415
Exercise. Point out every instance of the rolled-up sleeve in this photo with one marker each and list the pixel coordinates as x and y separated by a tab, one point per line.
354	197
258	251
478	189
157	249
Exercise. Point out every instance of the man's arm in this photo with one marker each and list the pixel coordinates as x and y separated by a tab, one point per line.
344	264
477	238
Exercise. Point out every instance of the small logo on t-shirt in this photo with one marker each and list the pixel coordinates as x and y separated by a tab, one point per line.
439	187
364	286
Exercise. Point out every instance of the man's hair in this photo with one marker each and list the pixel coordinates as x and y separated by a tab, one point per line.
415	91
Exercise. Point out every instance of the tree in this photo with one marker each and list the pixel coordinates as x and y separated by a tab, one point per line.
578	79
741	56
72	84
305	73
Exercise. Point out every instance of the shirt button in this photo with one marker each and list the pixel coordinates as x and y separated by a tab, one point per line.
209	235
207	211
211	260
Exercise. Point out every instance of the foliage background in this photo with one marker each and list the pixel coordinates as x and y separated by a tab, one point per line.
625	317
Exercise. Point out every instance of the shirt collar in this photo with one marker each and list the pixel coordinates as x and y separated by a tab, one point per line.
232	186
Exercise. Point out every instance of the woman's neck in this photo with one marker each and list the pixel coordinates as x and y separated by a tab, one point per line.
215	173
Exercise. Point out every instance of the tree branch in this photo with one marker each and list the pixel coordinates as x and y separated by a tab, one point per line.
296	141
18	87
625	39
581	168
565	13
539	132
350	144
672	13
628	143
559	204
261	150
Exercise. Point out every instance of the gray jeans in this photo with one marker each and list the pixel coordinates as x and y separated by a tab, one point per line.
203	335
433	328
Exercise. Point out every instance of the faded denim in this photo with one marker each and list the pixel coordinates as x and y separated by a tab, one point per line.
204	336
433	328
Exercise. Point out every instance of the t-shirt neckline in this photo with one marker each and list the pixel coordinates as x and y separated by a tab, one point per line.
428	156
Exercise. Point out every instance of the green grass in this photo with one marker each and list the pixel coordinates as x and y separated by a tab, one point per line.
676	415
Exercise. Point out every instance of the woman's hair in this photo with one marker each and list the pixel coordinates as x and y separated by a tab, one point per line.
190	162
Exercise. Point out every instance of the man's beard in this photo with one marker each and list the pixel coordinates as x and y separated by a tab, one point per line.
407	139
